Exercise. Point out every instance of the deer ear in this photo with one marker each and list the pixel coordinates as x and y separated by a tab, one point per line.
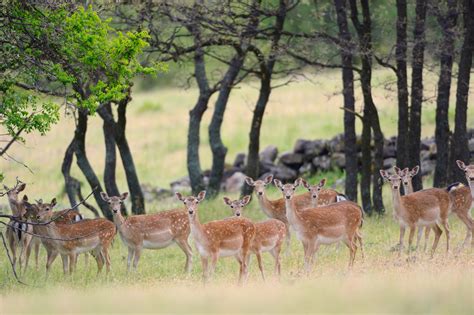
201	195
124	195
104	196
297	182
322	182
21	187
305	183
277	183
384	174
397	170
415	170
179	196
227	201
25	198
53	202
268	179
460	164
245	200
27	205
249	181
6	188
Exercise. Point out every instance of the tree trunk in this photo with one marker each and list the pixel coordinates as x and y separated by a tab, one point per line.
417	90
366	168
218	149
136	193
84	165
402	84
350	139
110	181
448	24
253	159
69	182
459	145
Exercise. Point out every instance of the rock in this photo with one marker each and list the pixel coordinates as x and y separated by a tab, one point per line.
235	183
471	145
240	160
307	168
270	153
322	163
336	144
389	163
300	145
181	184
229	173
293	160
427	167
338	160
284	173
265	167
427	144
151	193
424	155
390	148
315	148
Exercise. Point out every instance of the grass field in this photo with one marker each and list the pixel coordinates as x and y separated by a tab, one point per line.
157	124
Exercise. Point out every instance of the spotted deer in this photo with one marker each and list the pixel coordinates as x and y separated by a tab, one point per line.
276	209
220	238
317	196
150	231
269	236
19	233
426	208
322	225
71	239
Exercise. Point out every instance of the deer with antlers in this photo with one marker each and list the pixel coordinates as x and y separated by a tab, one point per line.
269	235
71	239
424	208
322	225
151	231
220	238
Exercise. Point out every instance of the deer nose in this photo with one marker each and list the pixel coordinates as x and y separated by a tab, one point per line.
314	196
260	193
37	217
115	210
287	197
237	214
191	211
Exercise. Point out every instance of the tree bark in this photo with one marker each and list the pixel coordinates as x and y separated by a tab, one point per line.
350	139
84	165
69	182
219	150
110	181
417	90
459	145
402	84
448	24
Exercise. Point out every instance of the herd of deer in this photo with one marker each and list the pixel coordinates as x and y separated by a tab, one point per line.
319	216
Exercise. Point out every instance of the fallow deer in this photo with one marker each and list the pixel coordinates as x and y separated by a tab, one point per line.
19	234
317	196
150	231
462	198
322	225
69	240
419	209
220	238
268	238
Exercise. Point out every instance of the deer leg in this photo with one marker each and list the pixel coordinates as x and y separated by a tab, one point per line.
188	251
37	248
350	243
214	257
245	256
50	257
287	239
27	255
400	243
418	236
129	258
361	244
410	239
260	265
276	254
12	245
138	252
65	259
466	219
448	236
205	269
72	263
427	237
106	255
438	233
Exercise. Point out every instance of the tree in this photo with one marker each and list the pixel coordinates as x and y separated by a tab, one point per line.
459	144
417	90
447	23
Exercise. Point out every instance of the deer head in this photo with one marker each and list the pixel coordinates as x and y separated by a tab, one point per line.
115	202
259	185
468	170
394	180
191	203
40	211
237	205
314	189
287	190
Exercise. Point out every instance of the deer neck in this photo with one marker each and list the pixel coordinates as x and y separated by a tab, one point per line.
314	202
397	201
15	206
197	230
408	188
119	221
291	212
265	204
471	186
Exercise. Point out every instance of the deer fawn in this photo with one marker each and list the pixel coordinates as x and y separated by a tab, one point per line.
69	240
423	208
151	231
19	234
462	198
322	225
220	238
317	196
268	238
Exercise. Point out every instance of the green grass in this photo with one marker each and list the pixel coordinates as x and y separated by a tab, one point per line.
157	125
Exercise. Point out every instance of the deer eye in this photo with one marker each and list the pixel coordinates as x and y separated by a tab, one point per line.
294	188
232	207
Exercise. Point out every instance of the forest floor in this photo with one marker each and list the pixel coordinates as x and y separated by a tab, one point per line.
157	124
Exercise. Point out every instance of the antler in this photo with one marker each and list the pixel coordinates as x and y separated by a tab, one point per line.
7	190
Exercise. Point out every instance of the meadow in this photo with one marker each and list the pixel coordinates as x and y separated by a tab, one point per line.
157	124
